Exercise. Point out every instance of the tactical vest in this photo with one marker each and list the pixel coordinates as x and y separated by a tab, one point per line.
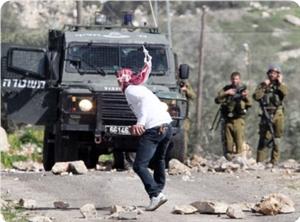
234	106
271	98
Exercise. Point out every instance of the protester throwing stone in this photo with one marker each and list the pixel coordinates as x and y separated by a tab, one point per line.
153	127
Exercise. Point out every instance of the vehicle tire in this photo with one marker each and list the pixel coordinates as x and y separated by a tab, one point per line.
177	149
119	160
89	155
66	146
48	149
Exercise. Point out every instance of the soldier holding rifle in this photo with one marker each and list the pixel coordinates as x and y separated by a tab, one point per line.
270	95
234	102
188	91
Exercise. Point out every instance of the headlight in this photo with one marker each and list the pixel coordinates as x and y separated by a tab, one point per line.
85	105
79	104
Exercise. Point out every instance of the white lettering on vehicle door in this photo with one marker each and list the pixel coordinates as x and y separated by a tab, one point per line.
31	84
24	83
6	83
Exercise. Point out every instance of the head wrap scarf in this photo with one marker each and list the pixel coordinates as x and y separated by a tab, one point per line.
127	77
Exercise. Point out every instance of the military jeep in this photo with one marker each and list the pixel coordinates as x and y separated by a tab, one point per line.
70	88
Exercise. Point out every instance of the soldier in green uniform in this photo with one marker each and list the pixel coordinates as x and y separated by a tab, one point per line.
270	94
187	89
235	101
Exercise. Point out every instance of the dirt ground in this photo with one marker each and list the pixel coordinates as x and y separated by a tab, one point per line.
104	189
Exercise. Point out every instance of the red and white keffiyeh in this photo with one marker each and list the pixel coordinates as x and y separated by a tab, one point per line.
127	77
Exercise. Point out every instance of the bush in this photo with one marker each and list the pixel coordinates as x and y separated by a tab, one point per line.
13	214
19	142
26	135
8	159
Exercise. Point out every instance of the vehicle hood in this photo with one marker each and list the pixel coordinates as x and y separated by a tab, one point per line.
87	88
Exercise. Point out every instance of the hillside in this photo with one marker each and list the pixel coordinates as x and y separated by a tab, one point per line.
270	39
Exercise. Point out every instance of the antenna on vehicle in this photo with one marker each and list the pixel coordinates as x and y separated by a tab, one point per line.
169	22
152	12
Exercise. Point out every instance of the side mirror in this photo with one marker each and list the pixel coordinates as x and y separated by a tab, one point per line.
176	60
27	61
184	71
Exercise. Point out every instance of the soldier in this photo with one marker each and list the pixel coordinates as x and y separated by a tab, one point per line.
234	102
270	94
187	89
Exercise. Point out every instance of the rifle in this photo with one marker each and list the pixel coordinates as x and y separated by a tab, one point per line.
217	117
220	119
267	117
239	91
223	137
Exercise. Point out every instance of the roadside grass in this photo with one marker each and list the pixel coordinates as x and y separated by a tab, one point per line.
20	142
106	158
13	215
26	135
7	159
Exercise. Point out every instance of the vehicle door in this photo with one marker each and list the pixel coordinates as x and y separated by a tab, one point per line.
28	89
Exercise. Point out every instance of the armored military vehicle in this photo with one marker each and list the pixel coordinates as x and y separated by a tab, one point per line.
70	88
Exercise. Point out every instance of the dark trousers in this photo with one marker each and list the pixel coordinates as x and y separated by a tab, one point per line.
153	146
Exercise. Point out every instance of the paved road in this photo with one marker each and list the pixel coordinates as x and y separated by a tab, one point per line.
124	188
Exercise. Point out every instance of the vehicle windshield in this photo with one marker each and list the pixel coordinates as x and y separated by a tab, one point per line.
90	57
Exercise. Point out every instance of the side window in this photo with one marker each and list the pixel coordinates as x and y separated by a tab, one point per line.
159	60
27	61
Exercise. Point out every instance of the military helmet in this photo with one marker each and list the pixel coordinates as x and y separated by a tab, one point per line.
274	67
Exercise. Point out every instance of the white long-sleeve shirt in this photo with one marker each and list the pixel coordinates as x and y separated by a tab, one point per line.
147	108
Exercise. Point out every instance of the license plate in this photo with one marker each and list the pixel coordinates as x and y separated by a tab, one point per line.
117	130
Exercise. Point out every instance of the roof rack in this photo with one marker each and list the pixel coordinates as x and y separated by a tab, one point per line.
75	28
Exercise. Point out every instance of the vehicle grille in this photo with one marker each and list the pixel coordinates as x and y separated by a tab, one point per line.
115	109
